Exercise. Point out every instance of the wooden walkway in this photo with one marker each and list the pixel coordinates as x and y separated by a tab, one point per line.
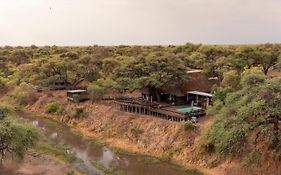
152	110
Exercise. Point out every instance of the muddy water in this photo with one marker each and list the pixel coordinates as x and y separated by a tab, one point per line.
87	150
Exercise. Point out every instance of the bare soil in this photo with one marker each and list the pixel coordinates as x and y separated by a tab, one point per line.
35	164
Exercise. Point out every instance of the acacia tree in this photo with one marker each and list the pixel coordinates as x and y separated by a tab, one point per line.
19	57
152	73
267	56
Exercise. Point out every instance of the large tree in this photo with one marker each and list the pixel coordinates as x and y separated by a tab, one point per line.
152	72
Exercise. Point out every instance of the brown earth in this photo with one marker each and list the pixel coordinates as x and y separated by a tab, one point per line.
160	138
35	164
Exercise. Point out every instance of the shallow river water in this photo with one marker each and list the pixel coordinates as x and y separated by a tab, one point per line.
87	150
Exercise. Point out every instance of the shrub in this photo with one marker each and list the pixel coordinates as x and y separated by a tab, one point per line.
79	113
16	138
136	131
52	107
96	91
24	94
170	151
250	159
6	108
252	110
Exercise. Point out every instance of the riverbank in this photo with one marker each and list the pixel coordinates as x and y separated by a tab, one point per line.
35	163
134	133
144	135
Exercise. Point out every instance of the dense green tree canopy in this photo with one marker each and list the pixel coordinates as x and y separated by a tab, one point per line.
151	72
251	112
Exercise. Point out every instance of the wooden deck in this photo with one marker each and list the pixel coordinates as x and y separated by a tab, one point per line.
153	109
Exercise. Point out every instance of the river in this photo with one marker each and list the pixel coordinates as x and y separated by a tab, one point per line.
87	150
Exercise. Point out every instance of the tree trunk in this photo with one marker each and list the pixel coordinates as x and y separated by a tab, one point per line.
155	93
265	70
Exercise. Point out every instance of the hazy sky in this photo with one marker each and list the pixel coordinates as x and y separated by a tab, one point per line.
112	22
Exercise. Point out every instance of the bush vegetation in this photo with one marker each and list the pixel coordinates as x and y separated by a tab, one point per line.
15	137
136	130
24	94
53	108
252	110
187	125
96	91
250	159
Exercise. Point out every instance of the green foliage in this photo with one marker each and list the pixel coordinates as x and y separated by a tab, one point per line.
6	108
252	110
56	151
187	125
53	107
96	91
136	130
24	94
16	138
132	67
150	72
231	79
194	171
250	159
251	77
219	93
169	152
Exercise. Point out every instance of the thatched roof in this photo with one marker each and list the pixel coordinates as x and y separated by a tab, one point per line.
197	82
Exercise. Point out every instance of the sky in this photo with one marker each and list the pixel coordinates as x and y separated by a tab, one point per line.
139	22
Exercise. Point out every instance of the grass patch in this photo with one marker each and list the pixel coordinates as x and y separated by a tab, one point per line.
169	152
193	171
136	130
250	159
213	164
187	125
53	108
151	160
56	151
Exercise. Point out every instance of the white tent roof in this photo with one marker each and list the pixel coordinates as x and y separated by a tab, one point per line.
200	93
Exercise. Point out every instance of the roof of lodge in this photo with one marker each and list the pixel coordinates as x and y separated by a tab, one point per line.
197	82
200	93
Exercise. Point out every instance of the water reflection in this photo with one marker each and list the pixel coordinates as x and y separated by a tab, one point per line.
88	150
